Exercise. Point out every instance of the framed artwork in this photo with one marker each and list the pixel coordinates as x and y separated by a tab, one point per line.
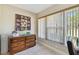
22	22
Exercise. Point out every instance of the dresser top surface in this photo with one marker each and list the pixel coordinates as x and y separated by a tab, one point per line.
20	36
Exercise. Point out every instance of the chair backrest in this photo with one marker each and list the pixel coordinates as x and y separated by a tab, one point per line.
70	47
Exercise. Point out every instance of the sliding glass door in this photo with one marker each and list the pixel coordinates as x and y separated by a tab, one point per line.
41	28
55	27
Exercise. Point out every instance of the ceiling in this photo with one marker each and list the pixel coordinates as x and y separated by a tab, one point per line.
35	8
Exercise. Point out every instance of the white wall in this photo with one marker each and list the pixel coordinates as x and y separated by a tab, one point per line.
7	23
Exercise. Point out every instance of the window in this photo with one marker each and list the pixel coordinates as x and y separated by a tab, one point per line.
72	23
55	27
60	27
41	28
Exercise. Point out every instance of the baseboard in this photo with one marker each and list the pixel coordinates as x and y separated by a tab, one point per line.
6	53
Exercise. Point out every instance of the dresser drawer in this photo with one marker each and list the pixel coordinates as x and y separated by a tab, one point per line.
17	49
30	44
16	44
31	37
17	39
30	40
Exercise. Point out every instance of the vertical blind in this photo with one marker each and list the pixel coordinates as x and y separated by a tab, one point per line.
41	28
72	24
55	27
60	25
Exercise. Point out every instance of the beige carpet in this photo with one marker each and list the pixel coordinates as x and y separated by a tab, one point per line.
54	46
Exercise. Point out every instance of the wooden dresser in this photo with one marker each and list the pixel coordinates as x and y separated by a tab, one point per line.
17	44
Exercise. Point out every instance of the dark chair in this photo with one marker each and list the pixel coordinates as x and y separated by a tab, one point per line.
70	48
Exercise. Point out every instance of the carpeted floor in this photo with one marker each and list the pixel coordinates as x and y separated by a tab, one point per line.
55	46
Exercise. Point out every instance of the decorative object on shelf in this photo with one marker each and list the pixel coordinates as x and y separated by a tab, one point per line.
21	33
15	34
22	22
